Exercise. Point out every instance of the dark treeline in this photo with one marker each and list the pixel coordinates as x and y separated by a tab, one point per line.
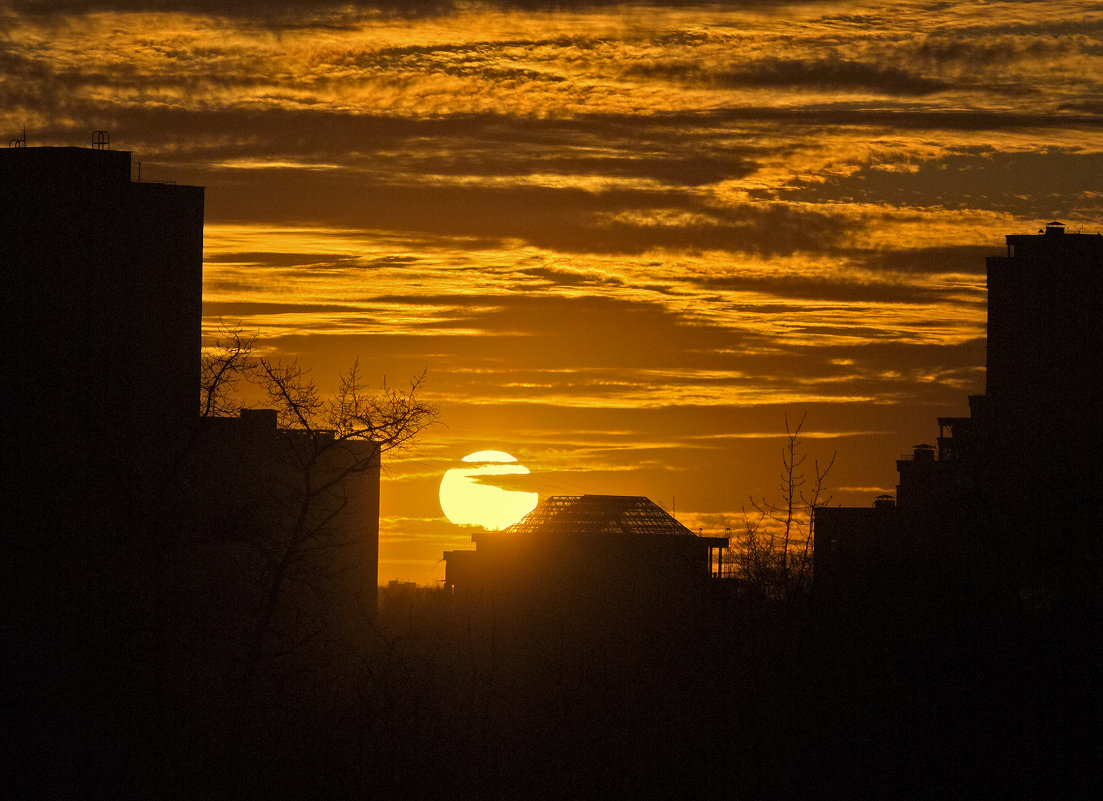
614	694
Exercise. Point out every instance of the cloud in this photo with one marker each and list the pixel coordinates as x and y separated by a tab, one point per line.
269	259
248	8
1083	107
625	239
271	11
1036	184
945	51
568	219
820	289
235	310
960	259
819	75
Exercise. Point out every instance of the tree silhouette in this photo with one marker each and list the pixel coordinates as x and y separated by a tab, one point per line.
773	553
282	509
222	370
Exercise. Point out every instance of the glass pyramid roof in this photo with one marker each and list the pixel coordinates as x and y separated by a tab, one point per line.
597	515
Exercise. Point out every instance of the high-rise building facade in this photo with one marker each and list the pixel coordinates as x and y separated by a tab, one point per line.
1017	484
103	307
1045	364
159	563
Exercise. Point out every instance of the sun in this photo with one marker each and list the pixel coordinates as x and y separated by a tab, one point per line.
468	498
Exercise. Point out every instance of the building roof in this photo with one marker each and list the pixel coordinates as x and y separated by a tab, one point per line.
598	515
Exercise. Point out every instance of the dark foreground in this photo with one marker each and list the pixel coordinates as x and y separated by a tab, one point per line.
720	695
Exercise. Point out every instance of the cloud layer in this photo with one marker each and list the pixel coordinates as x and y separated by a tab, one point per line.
625	238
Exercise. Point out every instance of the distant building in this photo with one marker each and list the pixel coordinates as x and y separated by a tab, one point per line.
1044	360
254	500
571	543
1013	490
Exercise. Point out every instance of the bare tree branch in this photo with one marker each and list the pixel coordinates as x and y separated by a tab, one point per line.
326	441
223	366
292	391
773	553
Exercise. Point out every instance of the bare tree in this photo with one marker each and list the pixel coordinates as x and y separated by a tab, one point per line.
293	544
392	418
753	554
774	551
223	368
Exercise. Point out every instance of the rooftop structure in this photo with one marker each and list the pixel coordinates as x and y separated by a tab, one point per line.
597	515
587	541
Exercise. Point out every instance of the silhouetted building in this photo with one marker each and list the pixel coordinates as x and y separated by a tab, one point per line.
103	302
1044	360
1011	495
573	543
270	521
1043	422
102	307
155	559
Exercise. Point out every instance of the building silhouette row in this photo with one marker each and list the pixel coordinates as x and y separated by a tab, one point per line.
1002	512
105	306
1008	500
172	574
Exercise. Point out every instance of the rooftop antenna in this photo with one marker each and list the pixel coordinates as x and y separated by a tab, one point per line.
101	140
19	142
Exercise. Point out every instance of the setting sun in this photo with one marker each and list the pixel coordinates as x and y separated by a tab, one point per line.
468	496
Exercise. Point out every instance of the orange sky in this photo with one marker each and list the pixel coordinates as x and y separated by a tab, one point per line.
624	239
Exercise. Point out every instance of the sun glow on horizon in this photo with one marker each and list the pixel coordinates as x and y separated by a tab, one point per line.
468	498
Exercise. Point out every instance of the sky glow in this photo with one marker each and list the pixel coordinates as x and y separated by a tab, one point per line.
474	496
625	240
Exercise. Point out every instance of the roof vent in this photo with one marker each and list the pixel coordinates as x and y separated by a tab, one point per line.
885	501
923	453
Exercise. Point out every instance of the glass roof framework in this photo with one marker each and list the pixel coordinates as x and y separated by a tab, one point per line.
598	515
